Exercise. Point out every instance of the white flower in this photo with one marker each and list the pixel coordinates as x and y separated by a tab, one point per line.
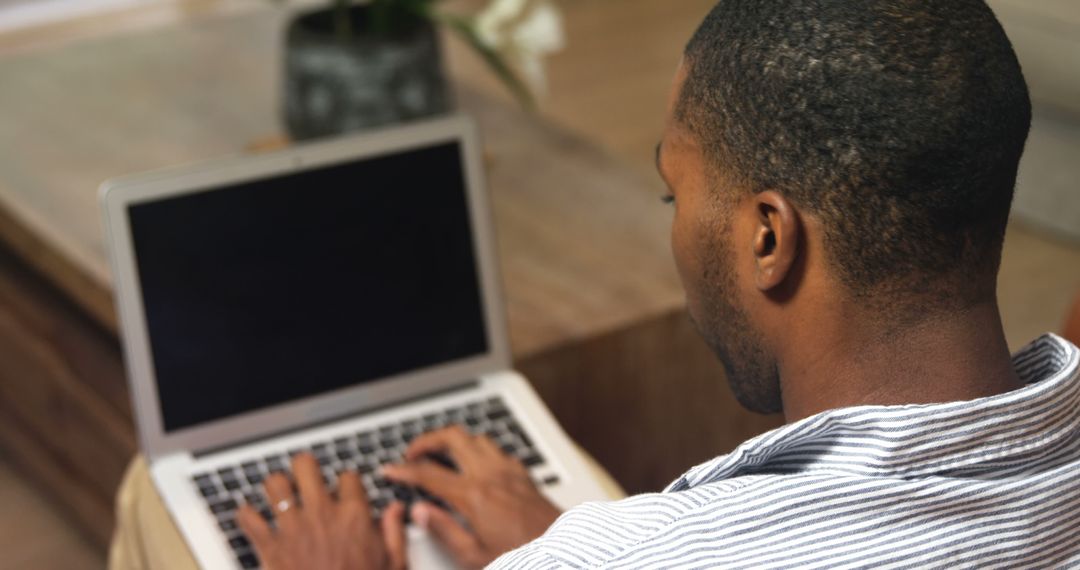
491	23
525	31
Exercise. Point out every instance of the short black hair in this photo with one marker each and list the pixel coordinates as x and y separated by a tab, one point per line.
899	123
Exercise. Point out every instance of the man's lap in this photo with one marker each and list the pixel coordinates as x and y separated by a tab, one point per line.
145	537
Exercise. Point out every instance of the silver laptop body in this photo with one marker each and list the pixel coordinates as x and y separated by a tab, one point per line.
337	297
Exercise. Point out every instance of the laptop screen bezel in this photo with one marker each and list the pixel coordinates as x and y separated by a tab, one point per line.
118	195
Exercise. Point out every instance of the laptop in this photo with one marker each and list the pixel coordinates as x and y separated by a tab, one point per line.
341	298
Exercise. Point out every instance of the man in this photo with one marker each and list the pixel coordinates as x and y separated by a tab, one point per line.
841	174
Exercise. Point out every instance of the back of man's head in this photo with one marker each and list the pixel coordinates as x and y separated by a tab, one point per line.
899	123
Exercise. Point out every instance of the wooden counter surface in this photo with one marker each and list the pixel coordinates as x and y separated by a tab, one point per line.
570	220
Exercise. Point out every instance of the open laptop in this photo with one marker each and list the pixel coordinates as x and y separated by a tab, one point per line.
338	297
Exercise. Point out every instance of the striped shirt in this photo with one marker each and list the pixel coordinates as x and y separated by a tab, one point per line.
992	482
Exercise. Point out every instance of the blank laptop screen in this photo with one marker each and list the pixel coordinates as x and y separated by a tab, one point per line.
269	291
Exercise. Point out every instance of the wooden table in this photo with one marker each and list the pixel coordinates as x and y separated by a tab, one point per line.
595	308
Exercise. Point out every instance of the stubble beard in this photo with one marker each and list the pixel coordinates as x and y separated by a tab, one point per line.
727	330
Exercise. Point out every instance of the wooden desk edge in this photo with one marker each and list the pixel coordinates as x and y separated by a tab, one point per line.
46	256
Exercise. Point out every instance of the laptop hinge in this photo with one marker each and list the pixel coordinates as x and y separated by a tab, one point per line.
467	385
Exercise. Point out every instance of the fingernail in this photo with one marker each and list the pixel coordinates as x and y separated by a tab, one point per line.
420	514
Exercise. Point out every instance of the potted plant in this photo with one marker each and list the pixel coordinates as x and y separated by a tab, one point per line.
360	65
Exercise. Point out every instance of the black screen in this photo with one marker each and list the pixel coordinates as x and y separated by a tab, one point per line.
269	291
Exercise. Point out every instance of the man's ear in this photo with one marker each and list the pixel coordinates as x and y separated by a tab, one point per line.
776	239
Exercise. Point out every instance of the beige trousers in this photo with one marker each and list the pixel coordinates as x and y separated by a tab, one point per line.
147	539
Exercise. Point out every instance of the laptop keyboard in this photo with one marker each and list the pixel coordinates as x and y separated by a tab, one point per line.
227	488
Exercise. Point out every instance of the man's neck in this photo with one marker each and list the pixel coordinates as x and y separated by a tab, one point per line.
945	358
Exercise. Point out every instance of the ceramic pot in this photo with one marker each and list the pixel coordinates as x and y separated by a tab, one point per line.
335	85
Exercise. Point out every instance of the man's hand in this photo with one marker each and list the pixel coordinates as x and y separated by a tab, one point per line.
320	532
490	490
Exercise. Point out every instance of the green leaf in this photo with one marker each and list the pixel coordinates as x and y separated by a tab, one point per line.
394	16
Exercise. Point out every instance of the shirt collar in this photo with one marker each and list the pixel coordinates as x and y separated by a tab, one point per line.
908	441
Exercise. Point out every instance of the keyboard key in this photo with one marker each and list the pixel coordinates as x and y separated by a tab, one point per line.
275	463
203	480
498	414
508	448
520	433
403	494
533	460
550	480
248	560
443	460
239	541
227	473
422	495
226	506
346	469
255	479
231	484
209	492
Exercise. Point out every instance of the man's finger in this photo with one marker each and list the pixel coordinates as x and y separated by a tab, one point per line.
393	530
283	502
351	488
434	478
255	527
461	544
487	447
453	439
309	480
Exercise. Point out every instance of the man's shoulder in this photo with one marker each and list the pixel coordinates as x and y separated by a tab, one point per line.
598	533
726	522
